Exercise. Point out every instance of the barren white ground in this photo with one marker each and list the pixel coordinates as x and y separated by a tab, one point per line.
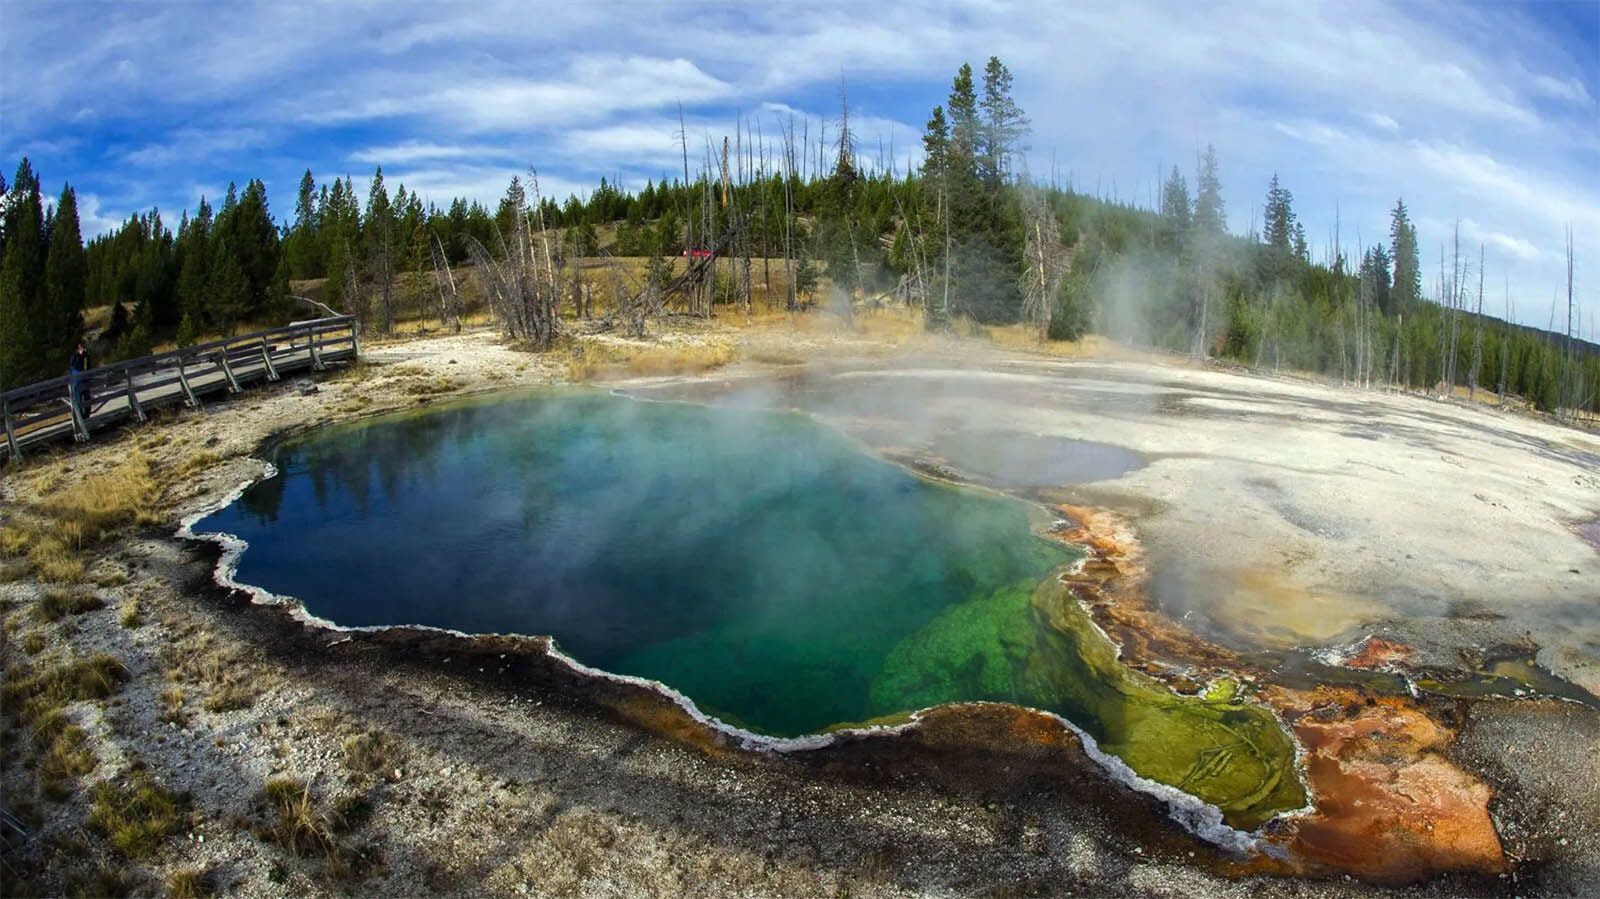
1295	513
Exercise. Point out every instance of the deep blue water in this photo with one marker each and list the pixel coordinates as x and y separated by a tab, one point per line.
757	562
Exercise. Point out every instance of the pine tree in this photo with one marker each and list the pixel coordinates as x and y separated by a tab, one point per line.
1208	229
228	289
935	145
1209	216
1175	213
301	248
255	244
1284	242
21	280
195	240
1004	125
1407	283
1278	218
966	131
61	312
338	235
379	237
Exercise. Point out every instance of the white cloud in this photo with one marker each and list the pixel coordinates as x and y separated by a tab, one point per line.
415	151
1568	89
1514	246
440	184
642	144
189	143
1496	107
93	219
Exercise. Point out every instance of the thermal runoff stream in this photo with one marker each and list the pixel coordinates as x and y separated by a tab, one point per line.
758	563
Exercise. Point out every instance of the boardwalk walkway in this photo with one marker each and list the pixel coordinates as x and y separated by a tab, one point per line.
42	412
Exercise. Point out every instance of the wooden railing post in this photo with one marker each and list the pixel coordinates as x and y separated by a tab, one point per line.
11	435
266	359
30	413
227	370
183	378
80	427
133	399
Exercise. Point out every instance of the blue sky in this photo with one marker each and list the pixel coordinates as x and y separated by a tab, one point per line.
1482	113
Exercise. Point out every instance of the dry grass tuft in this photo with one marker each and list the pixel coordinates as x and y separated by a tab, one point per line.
209	662
14	540
96	507
99	879
59	753
29	695
66	759
54	562
68	519
430	387
190	883
172	707
229	696
111	579
372	752
135	816
590	359
773	355
57	604
198	462
353	372
673	360
295	822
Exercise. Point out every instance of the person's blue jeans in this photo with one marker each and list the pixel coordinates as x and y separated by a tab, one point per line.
78	398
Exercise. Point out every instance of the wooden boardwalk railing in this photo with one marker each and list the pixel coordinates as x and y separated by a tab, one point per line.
38	413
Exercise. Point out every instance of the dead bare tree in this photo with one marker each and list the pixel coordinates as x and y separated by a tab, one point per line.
1399	330
1457	277
1505	344
1046	265
845	169
522	293
1477	334
917	242
631	307
449	301
1569	390
788	212
355	287
765	175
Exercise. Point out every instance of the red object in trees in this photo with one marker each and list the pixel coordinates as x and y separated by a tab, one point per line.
697	254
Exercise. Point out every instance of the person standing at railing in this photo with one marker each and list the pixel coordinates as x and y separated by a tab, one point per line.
76	366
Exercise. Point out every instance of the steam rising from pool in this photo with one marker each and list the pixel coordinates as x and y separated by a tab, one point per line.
757	563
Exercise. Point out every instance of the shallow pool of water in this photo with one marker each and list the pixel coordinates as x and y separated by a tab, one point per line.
758	563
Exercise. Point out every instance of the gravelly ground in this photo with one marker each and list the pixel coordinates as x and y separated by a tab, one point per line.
509	777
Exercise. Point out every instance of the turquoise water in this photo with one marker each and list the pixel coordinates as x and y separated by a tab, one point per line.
756	562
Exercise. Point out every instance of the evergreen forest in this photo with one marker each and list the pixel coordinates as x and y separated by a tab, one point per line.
775	218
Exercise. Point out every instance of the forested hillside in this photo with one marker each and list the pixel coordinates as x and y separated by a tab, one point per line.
785	220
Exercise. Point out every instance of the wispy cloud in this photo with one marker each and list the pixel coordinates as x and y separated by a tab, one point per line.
189	143
1568	89
1482	112
1499	241
1382	121
411	152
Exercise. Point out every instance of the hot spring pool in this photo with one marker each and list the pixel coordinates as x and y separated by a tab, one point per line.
758	563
